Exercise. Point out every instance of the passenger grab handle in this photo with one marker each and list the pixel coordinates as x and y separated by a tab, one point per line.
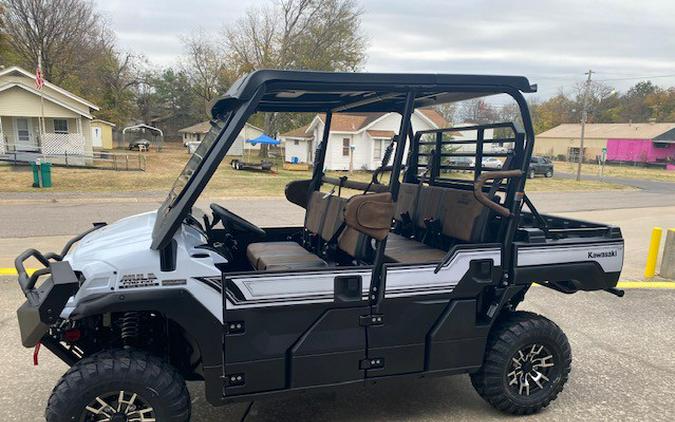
486	200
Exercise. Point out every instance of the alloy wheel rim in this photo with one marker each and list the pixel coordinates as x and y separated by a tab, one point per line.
120	406
530	370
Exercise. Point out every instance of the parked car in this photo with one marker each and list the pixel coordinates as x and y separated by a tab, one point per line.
540	165
139	144
492	162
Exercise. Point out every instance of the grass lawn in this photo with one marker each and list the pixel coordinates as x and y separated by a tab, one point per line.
628	171
163	167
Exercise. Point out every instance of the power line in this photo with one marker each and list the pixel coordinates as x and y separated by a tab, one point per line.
672	75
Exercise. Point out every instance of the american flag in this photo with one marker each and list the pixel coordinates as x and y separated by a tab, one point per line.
39	80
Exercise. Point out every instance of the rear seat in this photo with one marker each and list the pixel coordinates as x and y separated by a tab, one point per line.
323	219
460	215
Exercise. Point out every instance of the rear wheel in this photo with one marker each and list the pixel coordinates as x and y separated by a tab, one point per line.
120	385
527	362
530	174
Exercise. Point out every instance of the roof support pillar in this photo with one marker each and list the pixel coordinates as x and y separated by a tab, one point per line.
403	130
320	154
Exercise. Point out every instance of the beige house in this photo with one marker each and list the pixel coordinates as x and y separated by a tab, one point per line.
49	121
196	132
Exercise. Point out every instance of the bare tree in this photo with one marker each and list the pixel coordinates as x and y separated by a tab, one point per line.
66	33
204	65
296	34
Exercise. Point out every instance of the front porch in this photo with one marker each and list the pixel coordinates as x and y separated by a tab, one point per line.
26	138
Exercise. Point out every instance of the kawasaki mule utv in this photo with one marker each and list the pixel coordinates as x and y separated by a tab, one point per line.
420	276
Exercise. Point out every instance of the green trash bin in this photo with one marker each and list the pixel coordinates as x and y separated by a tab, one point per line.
46	174
35	165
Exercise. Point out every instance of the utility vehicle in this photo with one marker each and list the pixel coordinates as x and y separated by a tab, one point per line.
420	276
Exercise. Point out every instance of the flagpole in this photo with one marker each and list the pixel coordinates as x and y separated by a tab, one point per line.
43	129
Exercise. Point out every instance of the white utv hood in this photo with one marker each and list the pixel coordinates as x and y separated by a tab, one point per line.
118	257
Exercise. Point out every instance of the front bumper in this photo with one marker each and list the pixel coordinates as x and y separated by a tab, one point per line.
44	303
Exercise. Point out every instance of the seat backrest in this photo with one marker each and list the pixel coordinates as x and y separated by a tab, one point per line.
316	210
462	216
407	200
333	218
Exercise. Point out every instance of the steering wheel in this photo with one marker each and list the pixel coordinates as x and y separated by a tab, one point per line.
235	223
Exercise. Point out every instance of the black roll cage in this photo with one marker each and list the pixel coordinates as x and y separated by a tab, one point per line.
260	92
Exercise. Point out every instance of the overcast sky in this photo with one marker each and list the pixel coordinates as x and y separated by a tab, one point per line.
551	42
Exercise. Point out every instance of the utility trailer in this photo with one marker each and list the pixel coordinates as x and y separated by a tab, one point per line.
421	276
263	165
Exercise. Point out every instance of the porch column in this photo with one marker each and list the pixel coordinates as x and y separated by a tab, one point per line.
3	147
79	125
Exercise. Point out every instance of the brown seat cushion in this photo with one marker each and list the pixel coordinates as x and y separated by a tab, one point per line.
267	256
409	251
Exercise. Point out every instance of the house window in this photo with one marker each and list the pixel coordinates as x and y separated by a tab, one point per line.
296	142
61	126
345	147
22	130
377	149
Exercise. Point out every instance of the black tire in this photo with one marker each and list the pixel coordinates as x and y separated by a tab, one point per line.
106	374
530	174
515	333
549	173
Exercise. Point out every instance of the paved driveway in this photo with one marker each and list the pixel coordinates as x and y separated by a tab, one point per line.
624	369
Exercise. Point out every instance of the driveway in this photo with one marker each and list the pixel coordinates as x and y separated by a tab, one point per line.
623	369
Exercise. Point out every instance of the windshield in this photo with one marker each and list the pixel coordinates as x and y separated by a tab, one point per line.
194	162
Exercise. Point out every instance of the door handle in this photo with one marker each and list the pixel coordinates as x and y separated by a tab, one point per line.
348	288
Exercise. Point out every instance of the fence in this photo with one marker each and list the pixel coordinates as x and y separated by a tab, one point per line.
97	160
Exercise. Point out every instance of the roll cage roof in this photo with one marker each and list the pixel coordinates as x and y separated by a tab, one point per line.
308	91
330	92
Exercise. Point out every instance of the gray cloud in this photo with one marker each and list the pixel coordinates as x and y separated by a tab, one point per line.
551	42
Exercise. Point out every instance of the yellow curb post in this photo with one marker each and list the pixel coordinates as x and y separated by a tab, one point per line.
653	253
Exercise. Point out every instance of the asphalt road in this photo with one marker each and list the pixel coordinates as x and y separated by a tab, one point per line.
623	369
68	215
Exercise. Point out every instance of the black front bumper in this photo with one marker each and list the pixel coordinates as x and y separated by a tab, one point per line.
45	302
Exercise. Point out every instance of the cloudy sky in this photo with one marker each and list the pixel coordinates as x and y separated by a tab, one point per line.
551	42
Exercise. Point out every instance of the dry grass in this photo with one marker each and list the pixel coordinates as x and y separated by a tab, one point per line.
627	171
163	167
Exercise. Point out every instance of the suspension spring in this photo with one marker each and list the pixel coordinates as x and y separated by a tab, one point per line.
130	328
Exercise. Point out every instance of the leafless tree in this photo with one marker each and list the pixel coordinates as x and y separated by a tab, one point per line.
296	34
204	65
66	33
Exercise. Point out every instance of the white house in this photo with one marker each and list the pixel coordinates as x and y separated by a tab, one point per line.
356	138
196	132
48	121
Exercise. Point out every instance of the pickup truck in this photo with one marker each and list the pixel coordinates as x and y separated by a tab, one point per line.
417	277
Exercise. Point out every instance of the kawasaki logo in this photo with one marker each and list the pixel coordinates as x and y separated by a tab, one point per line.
609	254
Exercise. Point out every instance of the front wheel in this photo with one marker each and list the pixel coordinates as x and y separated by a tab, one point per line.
549	173
120	385
527	362
530	174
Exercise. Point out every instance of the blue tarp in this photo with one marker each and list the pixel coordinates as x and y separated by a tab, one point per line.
263	139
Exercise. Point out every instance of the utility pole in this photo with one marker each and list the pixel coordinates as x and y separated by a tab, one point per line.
584	115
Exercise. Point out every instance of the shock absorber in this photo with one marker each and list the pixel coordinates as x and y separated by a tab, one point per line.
130	328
